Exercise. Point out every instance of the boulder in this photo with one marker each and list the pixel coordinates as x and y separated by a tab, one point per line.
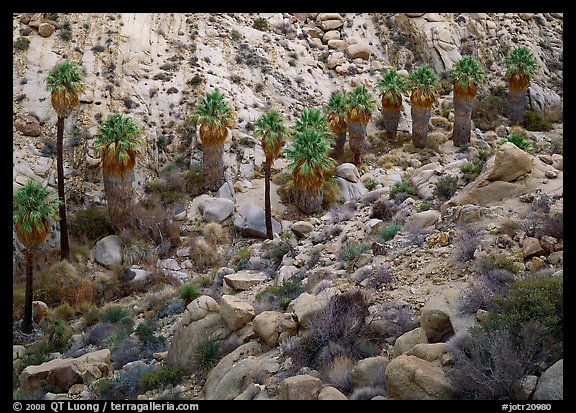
305	306
301	228
411	378
63	373
370	372
46	29
331	35
331	393
360	50
331	24
350	191
335	59
531	248
18	352
551	383
36	20
541	98
244	280
108	251
216	209
233	373
510	163
348	171
408	340
39	311
251	221
302	387
523	388
226	191
273	327
423	219
413	15
235	312
328	16
428	351
28	125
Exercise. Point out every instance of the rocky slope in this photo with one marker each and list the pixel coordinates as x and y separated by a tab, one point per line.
154	67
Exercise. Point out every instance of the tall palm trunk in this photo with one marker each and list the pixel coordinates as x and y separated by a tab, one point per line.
267	204
118	189
308	200
516	103
338	151
420	118
64	244
462	118
27	322
213	164
357	134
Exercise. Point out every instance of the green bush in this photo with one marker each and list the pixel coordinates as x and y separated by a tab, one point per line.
370	183
351	252
520	142
489	112
207	355
188	292
277	253
471	170
21	43
114	314
64	312
92	222
160	377
387	232
282	178
240	259
194	183
281	295
534	122
425	206
446	187
404	187
260	23
147	336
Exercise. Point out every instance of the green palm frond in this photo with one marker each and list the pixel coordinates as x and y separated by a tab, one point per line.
32	207
360	100
118	141
312	118
336	104
424	80
520	61
214	110
66	76
309	150
467	73
271	128
391	85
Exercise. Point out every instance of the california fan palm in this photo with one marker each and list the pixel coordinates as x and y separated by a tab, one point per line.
521	68
309	159
215	116
466	76
32	208
65	83
118	141
270	127
423	82
391	86
335	111
359	107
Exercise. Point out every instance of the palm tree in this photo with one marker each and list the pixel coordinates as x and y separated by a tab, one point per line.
466	76
31	210
359	107
335	111
521	68
309	159
423	81
270	127
117	141
65	83
391	86
215	117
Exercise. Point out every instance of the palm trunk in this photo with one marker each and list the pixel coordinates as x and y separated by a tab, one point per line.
307	200
213	164
391	117
64	245
516	105
267	205
118	189
338	152
357	134
27	322
420	118
462	116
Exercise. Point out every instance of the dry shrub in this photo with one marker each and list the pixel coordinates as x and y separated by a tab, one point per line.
155	224
62	282
203	255
215	234
339	373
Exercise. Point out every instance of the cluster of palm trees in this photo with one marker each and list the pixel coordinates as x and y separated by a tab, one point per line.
318	139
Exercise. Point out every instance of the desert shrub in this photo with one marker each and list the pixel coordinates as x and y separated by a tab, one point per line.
282	178
92	223
533	121
483	288
194	183
552	226
488	113
235	35
188	293
170	187
337	214
487	363
351	251
58	333
339	373
214	234
393	319
471	170
387	232
446	187
367	393
467	240
202	255
154	222
168	308
240	258
519	141
425	206
260	23
278	297
90	313
149	341
331	192
333	230
124	350
370	183
122	387
380	275
207	355
64	312
21	44
401	190
114	314
493	261
276	254
138	251
61	282
381	210
332	333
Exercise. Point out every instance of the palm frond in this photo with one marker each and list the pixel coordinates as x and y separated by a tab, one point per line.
271	128
424	83
118	142
65	76
520	61
213	109
359	104
466	75
391	86
32	206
